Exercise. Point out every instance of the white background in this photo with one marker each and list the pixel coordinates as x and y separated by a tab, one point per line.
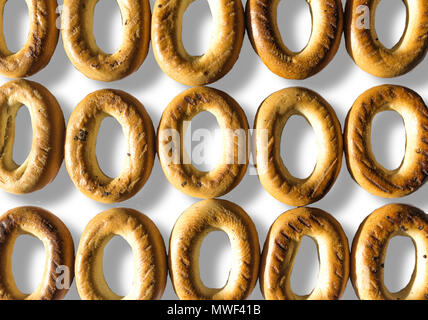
249	82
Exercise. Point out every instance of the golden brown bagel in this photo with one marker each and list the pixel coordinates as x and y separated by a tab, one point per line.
369	250
327	26
225	44
83	51
40	45
175	162
282	244
184	245
150	263
47	149
81	138
370	54
270	120
362	165
59	265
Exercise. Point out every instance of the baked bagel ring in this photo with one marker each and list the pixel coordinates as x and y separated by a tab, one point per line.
47	149
58	243
369	251
282	245
150	262
81	138
327	27
362	164
370	54
185	242
40	45
224	49
270	121
84	53
177	165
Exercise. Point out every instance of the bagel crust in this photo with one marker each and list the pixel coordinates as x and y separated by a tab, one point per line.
46	154
370	54
40	44
282	245
80	147
150	262
362	165
224	49
270	121
234	125
59	248
327	27
185	242
84	53
370	246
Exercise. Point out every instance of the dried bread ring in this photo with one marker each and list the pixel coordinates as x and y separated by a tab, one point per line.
370	54
40	45
282	244
59	266
150	263
362	164
370	246
327	27
270	120
224	49
81	138
47	149
186	238
83	51
175	162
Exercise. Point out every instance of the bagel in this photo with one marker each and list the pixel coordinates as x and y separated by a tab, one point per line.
59	249
84	53
81	138
186	238
174	160
40	45
223	51
150	263
270	120
47	149
365	48
362	165
282	245
327	27
369	251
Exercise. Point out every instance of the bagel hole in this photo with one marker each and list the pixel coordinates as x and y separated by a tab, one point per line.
203	139
111	148
390	21
399	263
108	25
23	135
294	21
197	28
306	267
215	259
28	263
388	138
299	147
117	263
16	24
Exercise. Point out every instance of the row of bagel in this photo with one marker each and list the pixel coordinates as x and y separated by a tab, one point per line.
164	29
364	263
52	142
